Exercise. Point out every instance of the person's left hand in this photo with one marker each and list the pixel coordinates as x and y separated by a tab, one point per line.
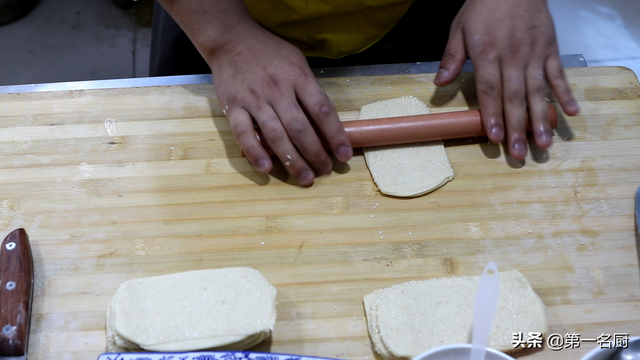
514	50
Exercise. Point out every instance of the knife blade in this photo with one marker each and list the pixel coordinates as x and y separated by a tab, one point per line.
16	294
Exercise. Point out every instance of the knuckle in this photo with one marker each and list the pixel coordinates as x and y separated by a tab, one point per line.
483	50
550	44
273	135
322	110
232	100
488	89
449	56
305	79
488	57
538	89
296	130
294	122
254	95
302	73
237	129
564	94
559	74
274	84
516	48
534	28
566	91
559	84
292	110
515	98
520	50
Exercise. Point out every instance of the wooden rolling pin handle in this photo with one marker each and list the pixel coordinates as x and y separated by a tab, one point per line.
416	128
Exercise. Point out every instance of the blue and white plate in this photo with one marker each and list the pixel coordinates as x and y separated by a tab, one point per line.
205	355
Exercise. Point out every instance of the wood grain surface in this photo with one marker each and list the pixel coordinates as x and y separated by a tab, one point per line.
118	184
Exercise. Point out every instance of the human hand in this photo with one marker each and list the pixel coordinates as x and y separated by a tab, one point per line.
258	76
514	51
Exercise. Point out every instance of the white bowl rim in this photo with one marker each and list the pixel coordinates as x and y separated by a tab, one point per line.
591	354
461	346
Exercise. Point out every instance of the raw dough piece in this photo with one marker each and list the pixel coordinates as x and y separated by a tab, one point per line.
222	309
408	319
405	170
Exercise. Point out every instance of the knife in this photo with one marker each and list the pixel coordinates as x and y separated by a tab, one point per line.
638	210
16	294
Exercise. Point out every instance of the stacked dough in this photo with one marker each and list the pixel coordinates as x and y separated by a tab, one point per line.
405	170
408	319
222	309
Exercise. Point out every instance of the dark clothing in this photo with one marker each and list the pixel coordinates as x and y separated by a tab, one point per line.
425	24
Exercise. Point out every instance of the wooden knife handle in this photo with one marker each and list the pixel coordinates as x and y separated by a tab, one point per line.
16	293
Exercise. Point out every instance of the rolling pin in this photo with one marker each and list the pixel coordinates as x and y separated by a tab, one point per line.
416	128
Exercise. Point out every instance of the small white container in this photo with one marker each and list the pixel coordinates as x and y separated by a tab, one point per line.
459	352
603	354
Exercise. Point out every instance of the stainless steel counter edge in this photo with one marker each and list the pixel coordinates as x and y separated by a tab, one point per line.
575	60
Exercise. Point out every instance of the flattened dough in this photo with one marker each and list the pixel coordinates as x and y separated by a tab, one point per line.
221	309
408	319
405	170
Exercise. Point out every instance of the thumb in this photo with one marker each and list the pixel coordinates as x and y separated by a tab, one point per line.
452	60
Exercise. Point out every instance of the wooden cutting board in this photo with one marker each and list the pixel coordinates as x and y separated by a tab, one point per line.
125	183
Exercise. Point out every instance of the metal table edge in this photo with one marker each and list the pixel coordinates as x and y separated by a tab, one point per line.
573	60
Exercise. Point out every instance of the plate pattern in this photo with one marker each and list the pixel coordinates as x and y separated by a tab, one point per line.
205	355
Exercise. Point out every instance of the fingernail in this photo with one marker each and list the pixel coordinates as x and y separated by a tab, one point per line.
262	165
575	105
345	152
544	139
441	73
519	148
496	134
306	178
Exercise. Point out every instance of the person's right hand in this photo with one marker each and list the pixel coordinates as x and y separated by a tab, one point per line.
514	50
260	77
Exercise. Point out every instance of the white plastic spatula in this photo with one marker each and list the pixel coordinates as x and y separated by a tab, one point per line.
484	310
